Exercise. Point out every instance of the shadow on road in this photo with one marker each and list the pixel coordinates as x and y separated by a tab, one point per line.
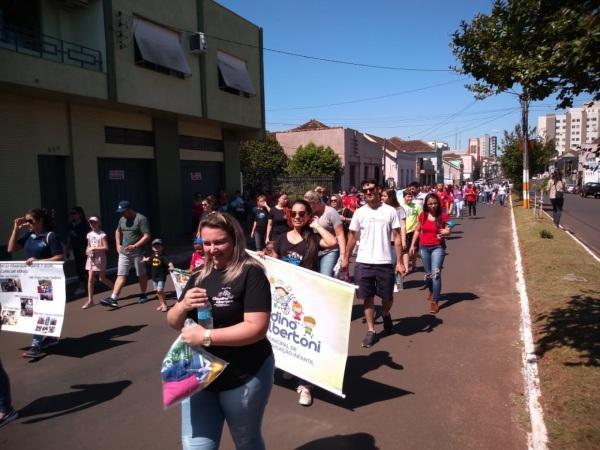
356	441
359	391
576	326
452	298
85	396
93	343
407	326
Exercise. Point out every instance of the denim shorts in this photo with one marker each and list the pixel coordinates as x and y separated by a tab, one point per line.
159	285
375	279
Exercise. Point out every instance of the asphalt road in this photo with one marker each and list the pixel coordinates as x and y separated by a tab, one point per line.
449	381
581	216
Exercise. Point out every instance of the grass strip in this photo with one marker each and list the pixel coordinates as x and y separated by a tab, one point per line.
563	285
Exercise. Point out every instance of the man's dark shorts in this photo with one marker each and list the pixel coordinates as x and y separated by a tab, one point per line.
375	279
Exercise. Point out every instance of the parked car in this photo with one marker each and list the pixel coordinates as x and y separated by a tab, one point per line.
591	189
571	188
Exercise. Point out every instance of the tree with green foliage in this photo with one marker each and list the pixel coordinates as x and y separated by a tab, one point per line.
313	160
541	46
261	161
532	49
511	161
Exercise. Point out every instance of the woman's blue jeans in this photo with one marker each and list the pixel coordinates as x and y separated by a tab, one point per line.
433	261
327	262
204	413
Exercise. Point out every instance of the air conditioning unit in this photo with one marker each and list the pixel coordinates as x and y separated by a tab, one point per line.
197	43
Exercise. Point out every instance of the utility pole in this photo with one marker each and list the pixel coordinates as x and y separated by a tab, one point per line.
384	160
524	99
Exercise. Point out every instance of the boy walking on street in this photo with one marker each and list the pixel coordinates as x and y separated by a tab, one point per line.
159	266
374	224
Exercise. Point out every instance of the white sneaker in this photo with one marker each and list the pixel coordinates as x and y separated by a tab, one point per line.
305	396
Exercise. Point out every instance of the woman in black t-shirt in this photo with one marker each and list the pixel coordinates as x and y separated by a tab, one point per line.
278	220
300	247
236	287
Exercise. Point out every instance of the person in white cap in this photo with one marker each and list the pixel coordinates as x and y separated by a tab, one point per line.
97	246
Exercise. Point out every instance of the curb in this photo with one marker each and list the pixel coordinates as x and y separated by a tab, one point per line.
538	437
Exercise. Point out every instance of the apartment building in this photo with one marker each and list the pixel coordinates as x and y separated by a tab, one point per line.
572	130
104	100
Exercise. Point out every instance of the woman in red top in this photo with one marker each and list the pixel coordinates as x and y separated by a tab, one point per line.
471	199
432	227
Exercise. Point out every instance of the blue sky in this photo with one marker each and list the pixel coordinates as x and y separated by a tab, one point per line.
383	33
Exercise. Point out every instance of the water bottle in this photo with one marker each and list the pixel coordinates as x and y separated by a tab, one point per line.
205	315
399	282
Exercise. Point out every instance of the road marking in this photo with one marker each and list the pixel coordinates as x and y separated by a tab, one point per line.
538	437
585	247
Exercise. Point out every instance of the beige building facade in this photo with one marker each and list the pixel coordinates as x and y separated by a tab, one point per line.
104	100
361	157
572	130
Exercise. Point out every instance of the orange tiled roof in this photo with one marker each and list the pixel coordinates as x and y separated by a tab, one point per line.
312	124
414	146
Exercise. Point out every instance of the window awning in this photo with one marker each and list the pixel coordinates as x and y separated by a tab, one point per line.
235	73
159	45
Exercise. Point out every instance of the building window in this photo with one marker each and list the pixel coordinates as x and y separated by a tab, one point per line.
366	172
352	175
21	17
127	136
233	76
200	143
158	48
377	174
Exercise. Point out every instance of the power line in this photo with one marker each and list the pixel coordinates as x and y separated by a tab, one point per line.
408	119
332	60
424	88
445	122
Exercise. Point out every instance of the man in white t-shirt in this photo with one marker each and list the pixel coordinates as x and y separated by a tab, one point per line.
375	270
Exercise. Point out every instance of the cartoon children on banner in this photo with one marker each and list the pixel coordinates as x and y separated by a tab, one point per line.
282	296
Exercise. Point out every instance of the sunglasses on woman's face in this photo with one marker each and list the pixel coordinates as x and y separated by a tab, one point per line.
333	200
30	221
300	214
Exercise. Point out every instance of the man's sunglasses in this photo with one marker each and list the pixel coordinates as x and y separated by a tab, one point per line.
369	190
300	214
30	221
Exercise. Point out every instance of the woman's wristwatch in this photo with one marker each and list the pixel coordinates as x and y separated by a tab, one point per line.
206	341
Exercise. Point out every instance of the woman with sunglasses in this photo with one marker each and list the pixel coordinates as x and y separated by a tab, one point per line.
40	244
432	227
300	247
209	206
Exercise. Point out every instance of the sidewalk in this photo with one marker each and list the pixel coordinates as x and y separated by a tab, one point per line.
449	381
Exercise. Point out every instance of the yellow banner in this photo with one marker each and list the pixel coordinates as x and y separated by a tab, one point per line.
310	323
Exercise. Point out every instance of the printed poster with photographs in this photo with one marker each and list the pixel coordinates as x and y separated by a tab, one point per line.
180	278
32	297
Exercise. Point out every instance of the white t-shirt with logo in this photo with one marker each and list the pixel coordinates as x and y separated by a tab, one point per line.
374	228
